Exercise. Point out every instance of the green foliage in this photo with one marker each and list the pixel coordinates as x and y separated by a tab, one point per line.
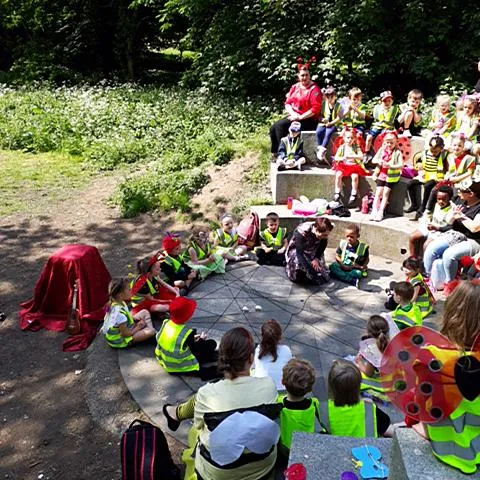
165	136
154	189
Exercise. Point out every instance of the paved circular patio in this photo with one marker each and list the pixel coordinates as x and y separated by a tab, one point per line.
320	324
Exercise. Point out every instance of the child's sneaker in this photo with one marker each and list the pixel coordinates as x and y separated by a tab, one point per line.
352	199
379	216
240	258
321	151
336	197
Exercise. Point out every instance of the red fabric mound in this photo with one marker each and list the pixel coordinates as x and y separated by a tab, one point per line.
52	301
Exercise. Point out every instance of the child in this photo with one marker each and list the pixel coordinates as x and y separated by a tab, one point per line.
348	164
369	357
433	225
201	257
177	272
355	112
443	119
410	118
431	165
120	327
299	414
179	349
270	356
387	174
225	241
330	115
468	122
384	116
273	242
346	414
149	292
422	297
351	257
290	150
461	164
407	314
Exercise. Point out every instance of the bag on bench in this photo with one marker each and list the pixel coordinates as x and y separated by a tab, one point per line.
145	454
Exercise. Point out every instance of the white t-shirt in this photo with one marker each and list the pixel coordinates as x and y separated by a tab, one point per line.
266	367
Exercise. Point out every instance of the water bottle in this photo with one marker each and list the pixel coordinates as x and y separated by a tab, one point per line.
365	207
296	471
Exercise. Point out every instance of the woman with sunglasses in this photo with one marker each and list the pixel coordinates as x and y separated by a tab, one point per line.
303	104
463	239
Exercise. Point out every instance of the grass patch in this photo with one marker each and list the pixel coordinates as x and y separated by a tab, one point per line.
29	180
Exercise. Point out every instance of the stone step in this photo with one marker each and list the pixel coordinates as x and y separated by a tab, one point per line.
318	182
385	238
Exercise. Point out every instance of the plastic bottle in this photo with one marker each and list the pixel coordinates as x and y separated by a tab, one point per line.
289	203
296	471
364	207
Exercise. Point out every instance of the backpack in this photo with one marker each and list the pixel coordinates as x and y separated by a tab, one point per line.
145	454
248	230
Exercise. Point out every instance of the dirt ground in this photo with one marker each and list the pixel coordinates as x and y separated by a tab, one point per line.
61	414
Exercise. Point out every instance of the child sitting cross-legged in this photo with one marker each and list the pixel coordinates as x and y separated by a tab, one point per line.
120	327
273	242
176	271
351	257
290	150
225	241
346	414
180	350
407	314
201	257
369	357
300	414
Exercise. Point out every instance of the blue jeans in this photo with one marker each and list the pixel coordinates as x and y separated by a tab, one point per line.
449	255
324	134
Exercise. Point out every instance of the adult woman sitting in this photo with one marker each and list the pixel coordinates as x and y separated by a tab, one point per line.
305	252
303	104
238	390
463	239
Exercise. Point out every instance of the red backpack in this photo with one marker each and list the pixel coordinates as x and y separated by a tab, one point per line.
248	230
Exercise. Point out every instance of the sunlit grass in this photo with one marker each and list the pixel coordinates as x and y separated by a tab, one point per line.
28	180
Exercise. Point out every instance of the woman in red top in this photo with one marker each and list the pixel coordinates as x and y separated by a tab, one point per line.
303	104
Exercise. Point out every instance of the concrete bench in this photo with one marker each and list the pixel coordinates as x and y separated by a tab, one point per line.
316	182
412	459
327	457
385	238
310	145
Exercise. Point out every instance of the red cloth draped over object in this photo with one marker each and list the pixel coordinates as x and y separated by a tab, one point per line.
51	305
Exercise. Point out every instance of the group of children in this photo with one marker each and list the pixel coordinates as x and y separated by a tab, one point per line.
451	153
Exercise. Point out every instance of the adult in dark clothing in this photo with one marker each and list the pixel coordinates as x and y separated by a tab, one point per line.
305	252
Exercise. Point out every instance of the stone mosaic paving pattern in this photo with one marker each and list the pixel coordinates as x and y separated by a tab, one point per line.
320	324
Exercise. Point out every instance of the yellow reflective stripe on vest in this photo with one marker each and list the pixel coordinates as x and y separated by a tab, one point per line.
271	241
388	120
407	319
371	383
113	336
363	412
359	252
456	440
173	263
201	254
138	297
326	110
353	119
292	147
423	300
174	357
226	240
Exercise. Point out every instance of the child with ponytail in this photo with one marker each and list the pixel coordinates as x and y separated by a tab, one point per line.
120	327
270	355
369	357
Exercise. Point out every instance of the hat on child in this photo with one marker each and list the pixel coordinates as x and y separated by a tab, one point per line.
386	94
170	243
181	310
295	127
329	91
